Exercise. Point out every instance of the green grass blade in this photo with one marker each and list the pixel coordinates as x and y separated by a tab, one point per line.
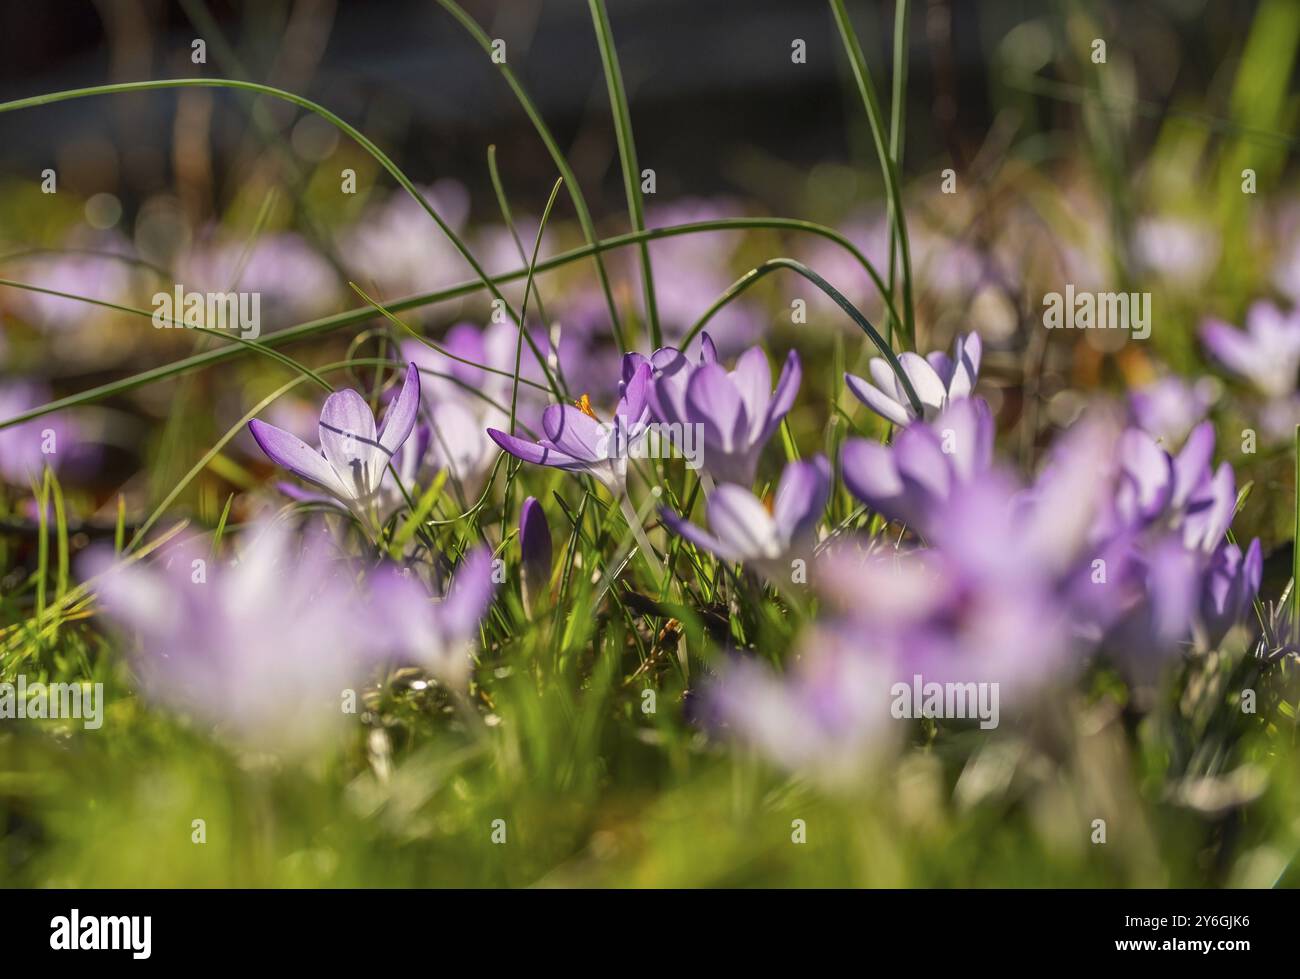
561	163
867	89
627	155
353	317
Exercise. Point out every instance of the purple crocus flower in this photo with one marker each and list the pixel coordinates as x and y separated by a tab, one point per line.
266	648
1230	585
938	379
735	411
744	530
577	442
26	449
1267	354
915	475
436	635
1170	407
353	458
535	553
829	716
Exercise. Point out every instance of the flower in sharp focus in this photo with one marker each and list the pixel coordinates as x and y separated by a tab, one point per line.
937	378
353	458
743	530
736	411
1267	353
576	441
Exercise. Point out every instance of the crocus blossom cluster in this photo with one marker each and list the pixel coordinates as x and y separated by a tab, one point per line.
1117	547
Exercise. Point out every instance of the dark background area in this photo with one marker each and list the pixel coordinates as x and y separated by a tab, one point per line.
711	82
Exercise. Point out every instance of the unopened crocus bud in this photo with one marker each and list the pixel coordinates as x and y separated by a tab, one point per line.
535	551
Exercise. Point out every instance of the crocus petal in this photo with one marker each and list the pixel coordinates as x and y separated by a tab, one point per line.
753	380
1192	464
875	399
714	402
787	389
929	388
347	437
401	414
801	497
742	523
576	433
297	456
698	536
537	454
870	474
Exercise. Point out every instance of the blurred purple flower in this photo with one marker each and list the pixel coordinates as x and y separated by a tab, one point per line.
1168	408
913	478
266	647
26	449
1230	585
744	530
1267	354
937	378
438	636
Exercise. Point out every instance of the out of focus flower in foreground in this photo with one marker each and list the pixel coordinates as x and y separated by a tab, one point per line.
353	458
744	530
913	478
435	635
937	378
263	648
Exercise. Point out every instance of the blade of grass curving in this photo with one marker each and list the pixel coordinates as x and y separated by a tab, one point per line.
386	312
336	121
283	359
561	164
519	345
867	89
627	155
772	264
749	279
508	217
353	317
